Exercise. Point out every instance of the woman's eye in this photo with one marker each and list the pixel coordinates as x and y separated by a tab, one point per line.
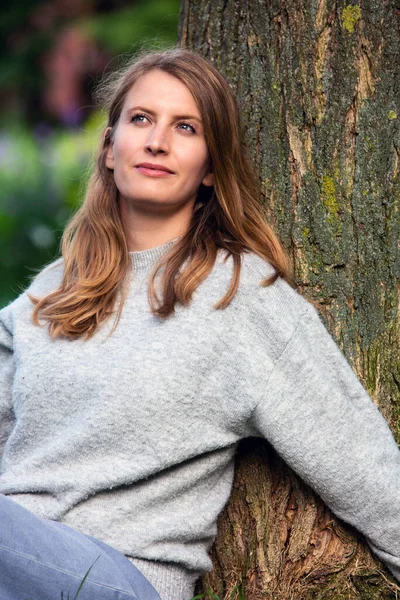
139	118
190	127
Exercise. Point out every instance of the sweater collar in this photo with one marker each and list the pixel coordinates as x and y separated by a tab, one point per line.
144	260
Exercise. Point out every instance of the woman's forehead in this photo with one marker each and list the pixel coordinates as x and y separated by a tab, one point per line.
162	92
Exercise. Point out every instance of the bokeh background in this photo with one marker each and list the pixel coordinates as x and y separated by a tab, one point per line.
52	54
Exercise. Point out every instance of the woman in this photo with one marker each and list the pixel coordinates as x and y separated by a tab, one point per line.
166	334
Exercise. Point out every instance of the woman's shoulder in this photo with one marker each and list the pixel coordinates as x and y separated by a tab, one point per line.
48	278
44	282
273	310
254	271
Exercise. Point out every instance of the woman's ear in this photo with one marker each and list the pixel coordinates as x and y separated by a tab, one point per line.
110	148
208	179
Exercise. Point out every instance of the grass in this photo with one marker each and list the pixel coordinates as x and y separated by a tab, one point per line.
209	594
81	584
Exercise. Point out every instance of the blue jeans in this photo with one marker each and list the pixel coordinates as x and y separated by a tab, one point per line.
47	560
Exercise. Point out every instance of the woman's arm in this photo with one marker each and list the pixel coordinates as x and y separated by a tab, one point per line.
7	417
325	426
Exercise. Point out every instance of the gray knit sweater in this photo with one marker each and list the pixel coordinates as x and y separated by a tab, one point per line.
131	437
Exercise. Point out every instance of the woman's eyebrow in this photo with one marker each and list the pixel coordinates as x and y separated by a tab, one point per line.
174	118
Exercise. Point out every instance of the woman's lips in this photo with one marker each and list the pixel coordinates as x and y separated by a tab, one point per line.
153	172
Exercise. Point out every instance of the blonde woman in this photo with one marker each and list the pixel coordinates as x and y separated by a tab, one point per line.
168	331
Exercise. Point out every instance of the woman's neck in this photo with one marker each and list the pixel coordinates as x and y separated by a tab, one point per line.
145	230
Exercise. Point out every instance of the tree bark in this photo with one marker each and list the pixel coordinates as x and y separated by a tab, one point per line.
318	85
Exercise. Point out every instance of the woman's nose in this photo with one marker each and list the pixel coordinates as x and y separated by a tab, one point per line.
157	140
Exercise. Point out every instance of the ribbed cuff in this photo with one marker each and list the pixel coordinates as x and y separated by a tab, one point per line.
172	582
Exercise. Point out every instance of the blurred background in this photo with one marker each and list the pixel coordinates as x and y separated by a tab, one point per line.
52	54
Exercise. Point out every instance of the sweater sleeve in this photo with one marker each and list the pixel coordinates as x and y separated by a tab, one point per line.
7	417
320	419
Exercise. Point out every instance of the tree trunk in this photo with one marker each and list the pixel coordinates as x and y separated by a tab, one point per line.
318	85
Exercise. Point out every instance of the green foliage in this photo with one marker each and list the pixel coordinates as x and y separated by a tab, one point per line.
146	24
16	66
134	25
42	173
42	181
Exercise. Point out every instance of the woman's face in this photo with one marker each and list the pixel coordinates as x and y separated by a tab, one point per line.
159	127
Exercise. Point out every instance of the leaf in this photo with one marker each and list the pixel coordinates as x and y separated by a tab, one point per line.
84	579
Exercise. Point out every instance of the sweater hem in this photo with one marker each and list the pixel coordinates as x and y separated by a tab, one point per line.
170	580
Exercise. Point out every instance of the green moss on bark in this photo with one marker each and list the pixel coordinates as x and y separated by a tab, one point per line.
350	15
328	197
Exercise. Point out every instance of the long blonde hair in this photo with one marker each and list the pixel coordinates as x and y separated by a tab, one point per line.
227	215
